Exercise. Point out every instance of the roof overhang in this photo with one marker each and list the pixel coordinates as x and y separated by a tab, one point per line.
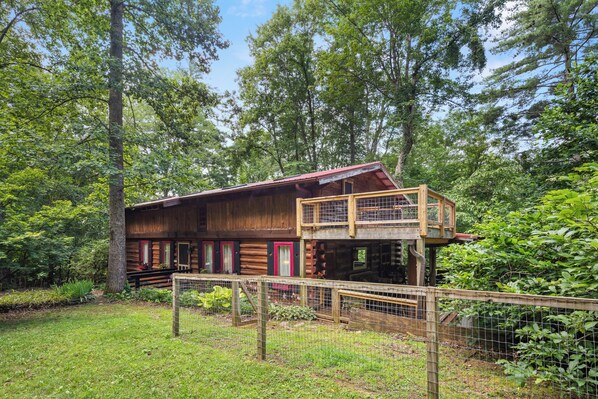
321	178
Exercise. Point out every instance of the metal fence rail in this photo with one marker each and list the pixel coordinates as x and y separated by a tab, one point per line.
398	341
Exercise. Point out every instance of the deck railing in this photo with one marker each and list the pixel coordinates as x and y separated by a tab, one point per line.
409	207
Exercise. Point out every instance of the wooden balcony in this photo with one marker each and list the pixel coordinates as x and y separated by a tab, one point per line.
410	214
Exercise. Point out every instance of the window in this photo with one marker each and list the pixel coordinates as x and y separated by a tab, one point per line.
283	259
208	256
360	258
347	186
184	256
144	254
227	250
166	255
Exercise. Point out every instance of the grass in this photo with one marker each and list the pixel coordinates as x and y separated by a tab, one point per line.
114	350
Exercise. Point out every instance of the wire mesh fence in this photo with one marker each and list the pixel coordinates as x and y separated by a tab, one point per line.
383	340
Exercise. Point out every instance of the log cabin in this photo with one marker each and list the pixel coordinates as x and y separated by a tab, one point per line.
352	223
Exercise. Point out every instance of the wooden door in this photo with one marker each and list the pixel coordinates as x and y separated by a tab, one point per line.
183	256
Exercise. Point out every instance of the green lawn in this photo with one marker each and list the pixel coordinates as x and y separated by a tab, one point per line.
125	350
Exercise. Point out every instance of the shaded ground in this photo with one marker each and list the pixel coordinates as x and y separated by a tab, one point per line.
125	350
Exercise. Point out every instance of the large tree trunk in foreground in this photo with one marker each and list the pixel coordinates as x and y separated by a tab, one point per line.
117	267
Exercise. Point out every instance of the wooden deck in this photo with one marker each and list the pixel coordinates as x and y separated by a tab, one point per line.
410	213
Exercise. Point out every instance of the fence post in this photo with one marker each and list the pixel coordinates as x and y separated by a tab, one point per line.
432	342
262	319
336	306
175	306
236	304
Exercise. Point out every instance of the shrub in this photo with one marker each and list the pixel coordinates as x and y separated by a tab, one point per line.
76	291
148	294
291	312
31	299
189	298
90	262
153	295
218	300
564	354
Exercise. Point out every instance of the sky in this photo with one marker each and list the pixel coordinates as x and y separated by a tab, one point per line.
239	19
242	17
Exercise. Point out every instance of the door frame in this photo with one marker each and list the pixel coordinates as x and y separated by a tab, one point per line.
178	252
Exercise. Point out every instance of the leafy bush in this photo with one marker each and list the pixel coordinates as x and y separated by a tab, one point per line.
156	295
31	299
189	298
549	249
76	291
217	300
90	262
564	354
291	312
148	294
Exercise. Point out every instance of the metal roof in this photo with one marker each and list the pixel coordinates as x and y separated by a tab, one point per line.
322	177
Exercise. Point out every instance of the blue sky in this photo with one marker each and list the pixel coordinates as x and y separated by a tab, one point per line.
242	17
239	19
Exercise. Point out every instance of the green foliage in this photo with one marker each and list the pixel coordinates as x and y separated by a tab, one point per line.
90	261
77	291
291	312
156	295
146	294
544	39
219	300
31	299
547	249
564	354
568	128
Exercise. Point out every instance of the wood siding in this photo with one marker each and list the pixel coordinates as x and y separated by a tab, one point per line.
253	256
361	184
252	218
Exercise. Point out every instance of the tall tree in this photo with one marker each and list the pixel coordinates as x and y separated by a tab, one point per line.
117	256
135	36
414	50
280	93
544	39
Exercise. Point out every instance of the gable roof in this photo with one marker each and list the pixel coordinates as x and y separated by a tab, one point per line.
322	177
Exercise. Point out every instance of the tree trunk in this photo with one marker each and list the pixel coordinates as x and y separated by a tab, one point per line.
352	150
403	154
117	253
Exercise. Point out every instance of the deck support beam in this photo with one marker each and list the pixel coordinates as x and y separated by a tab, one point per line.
433	266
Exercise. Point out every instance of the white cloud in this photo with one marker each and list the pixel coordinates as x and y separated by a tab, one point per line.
248	8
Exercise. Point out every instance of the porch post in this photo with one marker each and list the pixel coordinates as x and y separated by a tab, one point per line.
420	248
433	266
302	272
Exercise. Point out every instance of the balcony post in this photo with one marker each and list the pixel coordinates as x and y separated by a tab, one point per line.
422	209
299	217
351	210
441	205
